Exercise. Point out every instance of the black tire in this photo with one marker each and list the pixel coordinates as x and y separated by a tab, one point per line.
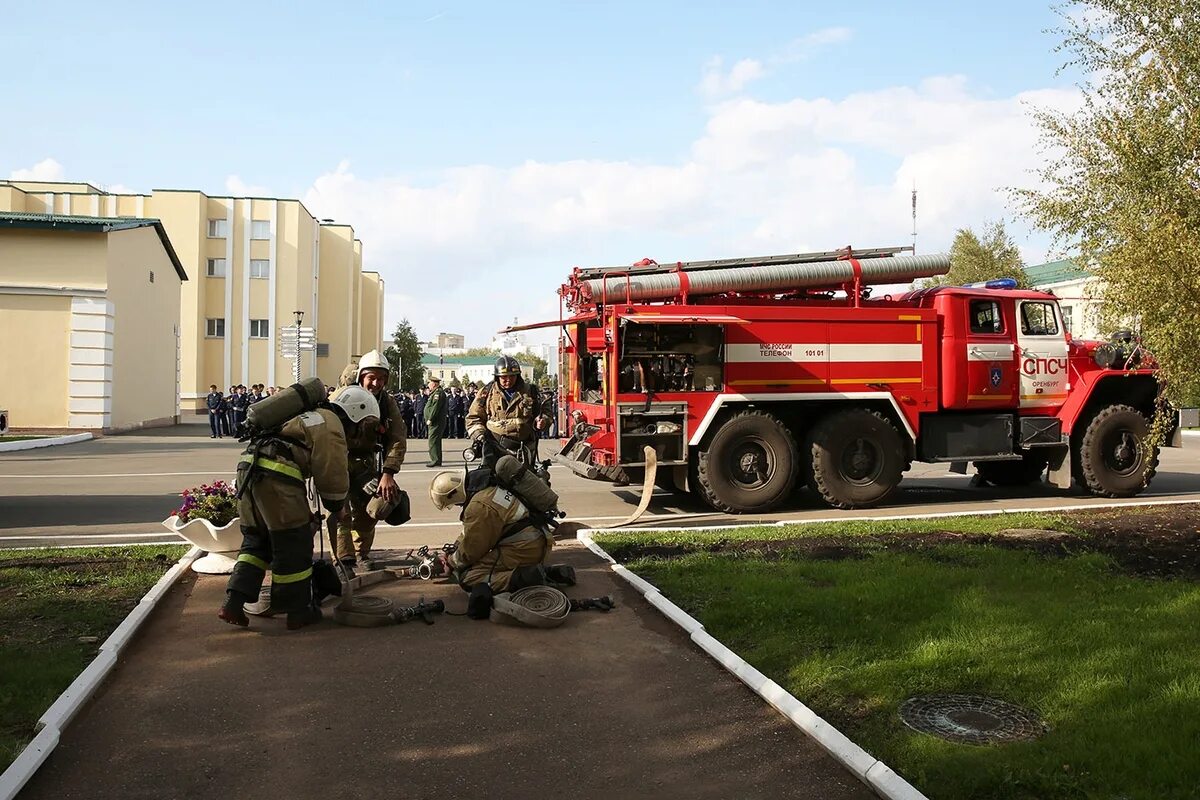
857	458
1028	470
749	466
1112	454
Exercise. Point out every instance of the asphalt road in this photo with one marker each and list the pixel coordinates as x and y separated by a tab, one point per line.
118	489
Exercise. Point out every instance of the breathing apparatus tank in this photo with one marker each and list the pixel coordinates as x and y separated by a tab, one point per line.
277	409
536	493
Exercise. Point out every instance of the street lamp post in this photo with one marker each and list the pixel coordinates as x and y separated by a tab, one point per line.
296	365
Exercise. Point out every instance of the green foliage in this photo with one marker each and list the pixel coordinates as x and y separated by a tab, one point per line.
1120	187
1098	654
525	359
405	353
974	259
56	608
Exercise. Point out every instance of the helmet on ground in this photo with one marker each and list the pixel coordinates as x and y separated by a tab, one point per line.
507	365
356	403
372	359
447	490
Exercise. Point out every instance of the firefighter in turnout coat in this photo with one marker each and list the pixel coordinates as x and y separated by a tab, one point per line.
500	545
356	531
509	408
276	521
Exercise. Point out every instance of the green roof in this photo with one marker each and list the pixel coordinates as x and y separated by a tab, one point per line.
1055	272
466	361
81	224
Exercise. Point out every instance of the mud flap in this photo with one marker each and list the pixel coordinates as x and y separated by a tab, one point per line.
647	489
1059	474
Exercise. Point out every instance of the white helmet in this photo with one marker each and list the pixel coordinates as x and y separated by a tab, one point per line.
356	402
447	490
372	359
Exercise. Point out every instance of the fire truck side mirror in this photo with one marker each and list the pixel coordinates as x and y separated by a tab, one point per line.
596	342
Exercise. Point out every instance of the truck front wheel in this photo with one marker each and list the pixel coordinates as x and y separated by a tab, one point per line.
857	458
750	464
1113	454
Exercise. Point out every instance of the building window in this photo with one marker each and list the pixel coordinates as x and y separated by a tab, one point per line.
260	229
1066	312
216	268
322	350
260	328
218	228
214	328
260	268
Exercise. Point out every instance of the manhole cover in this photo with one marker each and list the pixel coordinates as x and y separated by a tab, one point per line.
970	719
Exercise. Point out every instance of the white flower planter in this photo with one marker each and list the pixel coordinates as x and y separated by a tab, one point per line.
221	544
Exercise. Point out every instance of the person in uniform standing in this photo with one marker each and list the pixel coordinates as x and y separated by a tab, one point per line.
509	408
435	420
213	403
356	531
276	522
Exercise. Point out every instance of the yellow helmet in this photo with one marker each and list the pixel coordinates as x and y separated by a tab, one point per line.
447	490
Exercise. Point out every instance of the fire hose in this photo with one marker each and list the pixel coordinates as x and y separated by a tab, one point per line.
533	606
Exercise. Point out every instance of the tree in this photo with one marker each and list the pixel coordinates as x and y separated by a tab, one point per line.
973	259
405	353
1121	186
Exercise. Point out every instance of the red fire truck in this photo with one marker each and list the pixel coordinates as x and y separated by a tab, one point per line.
741	380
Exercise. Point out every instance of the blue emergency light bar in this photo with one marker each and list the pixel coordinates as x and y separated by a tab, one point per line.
994	283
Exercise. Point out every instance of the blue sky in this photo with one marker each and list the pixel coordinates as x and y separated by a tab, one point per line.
482	149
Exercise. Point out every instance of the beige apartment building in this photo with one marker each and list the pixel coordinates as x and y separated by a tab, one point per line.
253	262
89	322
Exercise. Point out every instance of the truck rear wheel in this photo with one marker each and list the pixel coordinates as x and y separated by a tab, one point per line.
1113	453
1013	473
857	458
750	464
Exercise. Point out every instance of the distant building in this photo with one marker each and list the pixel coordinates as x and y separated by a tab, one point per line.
465	369
453	340
89	322
1074	288
252	262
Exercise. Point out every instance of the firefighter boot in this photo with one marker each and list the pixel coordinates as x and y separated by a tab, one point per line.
560	575
531	575
299	619
233	611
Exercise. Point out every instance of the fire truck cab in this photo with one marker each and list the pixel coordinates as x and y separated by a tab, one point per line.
751	378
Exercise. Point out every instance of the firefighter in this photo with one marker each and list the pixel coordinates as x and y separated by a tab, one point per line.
435	420
356	531
500	544
509	408
276	522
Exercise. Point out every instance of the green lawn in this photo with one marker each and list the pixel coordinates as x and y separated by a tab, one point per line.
7	438
56	608
1109	659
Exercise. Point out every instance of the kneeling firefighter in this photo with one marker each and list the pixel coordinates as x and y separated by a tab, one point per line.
507	533
295	435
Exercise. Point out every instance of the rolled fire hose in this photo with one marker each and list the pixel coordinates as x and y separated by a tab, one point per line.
533	606
365	611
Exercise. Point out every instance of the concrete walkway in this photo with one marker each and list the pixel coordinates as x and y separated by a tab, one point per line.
616	705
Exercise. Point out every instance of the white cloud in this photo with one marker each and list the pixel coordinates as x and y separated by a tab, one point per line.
45	170
478	245
719	82
811	44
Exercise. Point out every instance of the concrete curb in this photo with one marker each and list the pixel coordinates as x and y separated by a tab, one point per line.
868	769
64	709
32	444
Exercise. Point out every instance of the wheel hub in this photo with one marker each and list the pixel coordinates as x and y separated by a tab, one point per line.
861	462
751	464
1122	454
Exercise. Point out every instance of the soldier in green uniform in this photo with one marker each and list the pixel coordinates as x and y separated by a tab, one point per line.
276	522
435	420
356	531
